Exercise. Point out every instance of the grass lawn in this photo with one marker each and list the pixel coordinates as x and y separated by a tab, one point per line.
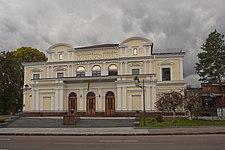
151	122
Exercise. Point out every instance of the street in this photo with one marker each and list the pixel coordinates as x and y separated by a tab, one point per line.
169	142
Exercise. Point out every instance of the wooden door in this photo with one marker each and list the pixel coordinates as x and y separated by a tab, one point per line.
109	104
72	103
91	104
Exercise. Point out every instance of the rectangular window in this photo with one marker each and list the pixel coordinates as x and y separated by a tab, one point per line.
60	75
96	73
134	51
135	71
166	74
80	74
60	56
36	76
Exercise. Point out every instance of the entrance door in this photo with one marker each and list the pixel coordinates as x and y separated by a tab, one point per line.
109	104
90	104
72	103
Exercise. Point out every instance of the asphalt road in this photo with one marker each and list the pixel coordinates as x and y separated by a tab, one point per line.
175	142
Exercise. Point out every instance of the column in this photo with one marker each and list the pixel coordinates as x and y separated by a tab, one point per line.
144	49
81	107
72	70
153	97
121	68
126	67
147	98
88	70
37	100
181	69
56	99
52	72
118	98
32	99
61	99
47	74
68	70
126	51
145	68
150	65
41	103
104	70
130	102
124	94
100	99
52	103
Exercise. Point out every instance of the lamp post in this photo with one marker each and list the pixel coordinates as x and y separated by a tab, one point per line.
138	84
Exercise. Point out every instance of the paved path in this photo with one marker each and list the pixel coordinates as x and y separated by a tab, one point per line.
84	122
113	131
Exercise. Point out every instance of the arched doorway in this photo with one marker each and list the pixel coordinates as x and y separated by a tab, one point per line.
109	104
90	104
72	103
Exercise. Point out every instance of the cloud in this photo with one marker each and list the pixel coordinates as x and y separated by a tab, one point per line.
168	23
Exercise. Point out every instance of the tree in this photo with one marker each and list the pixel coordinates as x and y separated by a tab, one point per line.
10	87
170	102
211	66
26	54
29	54
192	104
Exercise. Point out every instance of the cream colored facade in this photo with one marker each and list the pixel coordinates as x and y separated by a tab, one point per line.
97	70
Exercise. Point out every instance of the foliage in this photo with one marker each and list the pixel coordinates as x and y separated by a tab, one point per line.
11	76
159	118
192	104
29	54
211	66
10	87
151	122
170	101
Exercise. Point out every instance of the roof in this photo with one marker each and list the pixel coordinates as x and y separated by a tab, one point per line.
98	46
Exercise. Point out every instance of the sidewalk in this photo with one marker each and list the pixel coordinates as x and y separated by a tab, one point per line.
124	131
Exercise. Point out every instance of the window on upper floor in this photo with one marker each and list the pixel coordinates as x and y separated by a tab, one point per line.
60	56
96	70
36	76
135	71
113	70
166	76
60	75
80	72
134	51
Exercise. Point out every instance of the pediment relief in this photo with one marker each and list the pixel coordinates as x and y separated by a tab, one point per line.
166	62
137	64
36	70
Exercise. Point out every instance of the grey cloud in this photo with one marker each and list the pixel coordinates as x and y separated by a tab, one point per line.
168	23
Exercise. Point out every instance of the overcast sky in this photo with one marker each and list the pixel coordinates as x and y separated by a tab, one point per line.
168	23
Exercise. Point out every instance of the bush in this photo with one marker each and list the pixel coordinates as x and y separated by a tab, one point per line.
159	118
2	120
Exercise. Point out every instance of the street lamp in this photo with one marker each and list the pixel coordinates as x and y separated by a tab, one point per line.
138	84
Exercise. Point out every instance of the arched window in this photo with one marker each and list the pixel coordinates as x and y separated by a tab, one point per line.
80	72
96	70
112	70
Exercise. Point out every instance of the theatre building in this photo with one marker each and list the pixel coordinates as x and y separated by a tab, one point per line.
98	80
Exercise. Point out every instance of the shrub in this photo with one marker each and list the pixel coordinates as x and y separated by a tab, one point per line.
2	120
159	118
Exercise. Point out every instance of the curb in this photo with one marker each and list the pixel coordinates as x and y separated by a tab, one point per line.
108	134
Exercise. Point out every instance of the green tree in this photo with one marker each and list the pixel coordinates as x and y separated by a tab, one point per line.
26	54
10	76
211	66
170	102
192	104
29	54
